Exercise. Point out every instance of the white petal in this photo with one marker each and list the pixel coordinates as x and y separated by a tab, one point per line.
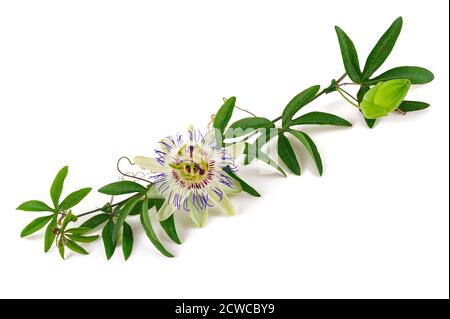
148	163
165	211
224	204
199	217
236	150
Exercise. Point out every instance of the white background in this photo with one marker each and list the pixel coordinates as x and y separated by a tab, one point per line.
85	82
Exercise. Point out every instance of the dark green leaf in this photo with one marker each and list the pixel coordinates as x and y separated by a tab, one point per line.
299	101
263	139
370	122
66	221
287	154
127	242
61	251
35	225
78	230
248	125
35	206
310	147
411	106
74	198
123	214
107	236
382	49
95	221
251	150
349	56
73	246
245	187
224	114
148	228
415	74
320	118
122	187
50	233
170	229
83	239
57	186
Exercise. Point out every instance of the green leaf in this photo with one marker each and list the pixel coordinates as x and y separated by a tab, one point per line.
122	187
411	106
287	154
83	239
96	221
320	118
415	74
251	150
263	139
300	100
170	229
57	186
49	233
78	230
245	187
73	246
61	251
349	56
247	125
74	198
148	228
310	147
107	236
35	225
35	206
123	214
224	114
127	241
382	49
370	122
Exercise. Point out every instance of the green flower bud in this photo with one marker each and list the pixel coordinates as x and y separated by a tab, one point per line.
384	98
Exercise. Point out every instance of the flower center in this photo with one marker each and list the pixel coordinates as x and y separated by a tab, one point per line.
192	167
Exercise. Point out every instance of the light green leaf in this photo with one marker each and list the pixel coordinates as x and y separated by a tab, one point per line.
384	98
310	147
287	154
78	230
35	225
320	118
57	186
122	187
415	74
382	49
148	228
263	139
349	56
299	101
35	206
74	198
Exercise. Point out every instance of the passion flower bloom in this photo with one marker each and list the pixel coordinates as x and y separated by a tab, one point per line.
189	173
